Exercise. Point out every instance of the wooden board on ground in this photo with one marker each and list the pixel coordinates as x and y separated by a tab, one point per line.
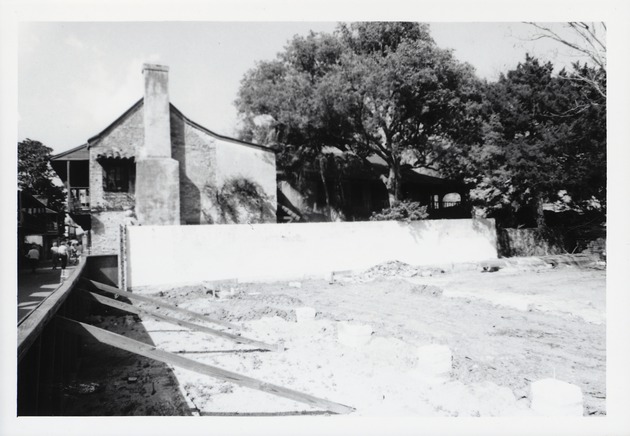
158	304
152	352
139	311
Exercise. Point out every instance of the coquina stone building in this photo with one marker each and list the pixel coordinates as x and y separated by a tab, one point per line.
154	166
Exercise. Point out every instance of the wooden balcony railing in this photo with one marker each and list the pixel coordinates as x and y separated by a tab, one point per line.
80	199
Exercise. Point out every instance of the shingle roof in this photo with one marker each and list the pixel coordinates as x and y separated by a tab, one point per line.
115	153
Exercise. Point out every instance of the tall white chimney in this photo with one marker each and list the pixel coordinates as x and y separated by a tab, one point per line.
157	123
157	173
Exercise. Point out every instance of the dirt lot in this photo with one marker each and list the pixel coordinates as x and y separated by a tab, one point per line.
505	329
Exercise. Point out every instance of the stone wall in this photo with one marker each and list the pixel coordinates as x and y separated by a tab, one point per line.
222	181
106	230
195	151
127	137
529	242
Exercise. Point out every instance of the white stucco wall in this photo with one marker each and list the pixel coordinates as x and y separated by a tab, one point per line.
239	160
169	255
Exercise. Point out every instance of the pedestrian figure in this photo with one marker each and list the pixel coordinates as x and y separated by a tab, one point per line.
63	254
72	253
33	258
55	255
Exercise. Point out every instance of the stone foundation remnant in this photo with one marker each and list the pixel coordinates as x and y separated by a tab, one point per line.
435	363
305	314
354	335
551	397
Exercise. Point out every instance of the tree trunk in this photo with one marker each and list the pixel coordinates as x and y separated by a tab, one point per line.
325	186
540	213
393	184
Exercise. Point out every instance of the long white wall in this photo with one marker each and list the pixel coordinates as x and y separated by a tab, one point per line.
170	255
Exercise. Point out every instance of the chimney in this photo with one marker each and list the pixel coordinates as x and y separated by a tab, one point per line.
157	125
157	173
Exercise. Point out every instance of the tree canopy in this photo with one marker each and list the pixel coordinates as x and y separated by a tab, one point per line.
35	176
387	90
544	134
381	89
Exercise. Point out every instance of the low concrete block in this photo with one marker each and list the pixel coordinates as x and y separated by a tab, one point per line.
354	335
551	397
305	314
435	363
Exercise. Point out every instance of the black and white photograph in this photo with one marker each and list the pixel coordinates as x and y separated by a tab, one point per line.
380	225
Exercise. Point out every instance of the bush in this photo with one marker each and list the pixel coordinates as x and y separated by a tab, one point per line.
402	211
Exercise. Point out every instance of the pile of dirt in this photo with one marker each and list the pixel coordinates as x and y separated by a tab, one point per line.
391	269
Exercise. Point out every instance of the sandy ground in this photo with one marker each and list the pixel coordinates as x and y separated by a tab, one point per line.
505	330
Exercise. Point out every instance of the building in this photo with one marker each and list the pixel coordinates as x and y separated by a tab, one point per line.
154	166
347	189
37	224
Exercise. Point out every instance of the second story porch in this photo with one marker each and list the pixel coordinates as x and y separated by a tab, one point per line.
73	169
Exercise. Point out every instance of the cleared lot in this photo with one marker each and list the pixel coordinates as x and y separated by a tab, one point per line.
504	329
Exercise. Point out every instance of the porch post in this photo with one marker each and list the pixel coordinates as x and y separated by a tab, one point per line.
69	194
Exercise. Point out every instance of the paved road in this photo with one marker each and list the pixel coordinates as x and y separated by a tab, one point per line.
35	288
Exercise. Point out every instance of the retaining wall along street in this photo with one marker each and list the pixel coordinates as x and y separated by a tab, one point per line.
177	255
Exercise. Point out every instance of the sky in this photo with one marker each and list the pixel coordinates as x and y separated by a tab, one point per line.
75	78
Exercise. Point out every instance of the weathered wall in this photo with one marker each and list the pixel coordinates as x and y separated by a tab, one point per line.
102	269
106	230
110	209
157	191
196	153
249	167
218	177
288	251
127	137
529	242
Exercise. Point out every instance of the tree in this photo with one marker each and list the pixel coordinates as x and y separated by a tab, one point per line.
542	134
381	89
35	176
586	39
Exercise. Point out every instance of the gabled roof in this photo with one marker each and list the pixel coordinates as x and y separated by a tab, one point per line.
94	139
81	152
76	153
218	136
417	175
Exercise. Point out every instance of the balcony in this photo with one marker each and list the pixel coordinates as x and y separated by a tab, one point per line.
79	200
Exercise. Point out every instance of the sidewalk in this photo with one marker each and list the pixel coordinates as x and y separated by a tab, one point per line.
35	288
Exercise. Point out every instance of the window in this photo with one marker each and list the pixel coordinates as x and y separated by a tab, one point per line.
117	176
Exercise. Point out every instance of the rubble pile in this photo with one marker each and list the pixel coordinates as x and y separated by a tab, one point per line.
392	269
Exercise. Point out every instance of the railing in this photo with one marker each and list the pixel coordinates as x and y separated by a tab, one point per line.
47	355
80	197
446	204
435	205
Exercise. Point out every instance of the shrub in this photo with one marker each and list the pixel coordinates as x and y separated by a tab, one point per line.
402	211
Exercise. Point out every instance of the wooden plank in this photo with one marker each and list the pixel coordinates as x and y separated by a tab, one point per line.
139	311
152	352
158	304
32	325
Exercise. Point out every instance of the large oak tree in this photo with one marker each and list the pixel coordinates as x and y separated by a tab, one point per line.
383	89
